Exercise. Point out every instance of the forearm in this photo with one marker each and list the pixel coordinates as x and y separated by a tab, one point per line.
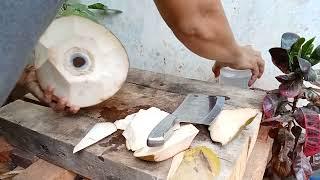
201	26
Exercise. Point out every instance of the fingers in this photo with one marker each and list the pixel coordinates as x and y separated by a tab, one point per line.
62	105
255	74
74	109
48	95
261	68
35	89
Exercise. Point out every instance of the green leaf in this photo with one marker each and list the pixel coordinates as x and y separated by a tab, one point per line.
296	48
315	56
78	9
307	49
99	6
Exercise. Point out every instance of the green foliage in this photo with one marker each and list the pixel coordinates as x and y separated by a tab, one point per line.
295	58
74	7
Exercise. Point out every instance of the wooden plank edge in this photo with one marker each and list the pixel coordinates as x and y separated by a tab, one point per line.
56	152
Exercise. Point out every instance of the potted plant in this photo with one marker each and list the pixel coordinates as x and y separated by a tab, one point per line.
295	129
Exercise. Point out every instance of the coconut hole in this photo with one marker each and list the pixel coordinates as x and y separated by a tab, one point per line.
79	61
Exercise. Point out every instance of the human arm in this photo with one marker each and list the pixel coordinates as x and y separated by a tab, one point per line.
203	28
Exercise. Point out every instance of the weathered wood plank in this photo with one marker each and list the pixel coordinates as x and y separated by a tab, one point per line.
52	136
169	83
259	157
41	170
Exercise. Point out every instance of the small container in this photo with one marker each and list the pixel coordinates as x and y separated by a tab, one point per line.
233	77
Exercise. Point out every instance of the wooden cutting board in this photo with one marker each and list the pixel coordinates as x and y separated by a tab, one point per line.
52	136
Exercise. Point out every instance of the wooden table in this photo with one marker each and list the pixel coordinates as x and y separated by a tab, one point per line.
52	136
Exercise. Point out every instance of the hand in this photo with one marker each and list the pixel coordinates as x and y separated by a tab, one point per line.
248	59
30	82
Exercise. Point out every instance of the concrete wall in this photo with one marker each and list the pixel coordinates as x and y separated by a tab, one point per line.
152	46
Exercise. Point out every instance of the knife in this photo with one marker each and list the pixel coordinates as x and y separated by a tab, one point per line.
195	109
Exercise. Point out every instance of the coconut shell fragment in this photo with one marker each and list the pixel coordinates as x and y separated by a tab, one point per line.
195	163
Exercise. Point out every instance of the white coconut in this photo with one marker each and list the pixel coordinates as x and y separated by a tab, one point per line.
122	124
138	130
229	123
179	141
96	133
82	60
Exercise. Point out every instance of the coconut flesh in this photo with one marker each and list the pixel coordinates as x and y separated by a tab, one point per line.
138	126
82	60
230	122
179	141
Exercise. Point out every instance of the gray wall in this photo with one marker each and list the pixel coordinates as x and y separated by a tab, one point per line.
152	46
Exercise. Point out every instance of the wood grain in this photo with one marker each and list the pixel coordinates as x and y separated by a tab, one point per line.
52	136
41	170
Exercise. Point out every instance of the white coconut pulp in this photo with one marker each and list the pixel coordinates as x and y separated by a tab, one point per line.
179	141
229	123
82	60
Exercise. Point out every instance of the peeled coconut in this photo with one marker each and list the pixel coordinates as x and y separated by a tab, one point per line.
195	163
138	130
122	124
82	60
230	122
180	140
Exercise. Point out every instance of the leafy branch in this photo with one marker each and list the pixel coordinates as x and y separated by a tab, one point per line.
71	7
296	130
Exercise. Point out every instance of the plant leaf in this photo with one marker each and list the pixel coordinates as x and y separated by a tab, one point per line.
296	48
296	131
288	140
273	133
288	39
307	49
311	123
311	76
99	6
315	161
317	81
274	121
78	9
302	167
280	58
286	77
291	89
305	65
313	107
311	95
270	104
315	56
308	73
299	117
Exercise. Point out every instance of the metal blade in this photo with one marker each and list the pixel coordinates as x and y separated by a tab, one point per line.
199	109
196	109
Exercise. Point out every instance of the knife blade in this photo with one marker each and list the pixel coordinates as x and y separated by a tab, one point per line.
195	109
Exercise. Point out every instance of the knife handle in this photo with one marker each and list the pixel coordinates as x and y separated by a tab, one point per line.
162	131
